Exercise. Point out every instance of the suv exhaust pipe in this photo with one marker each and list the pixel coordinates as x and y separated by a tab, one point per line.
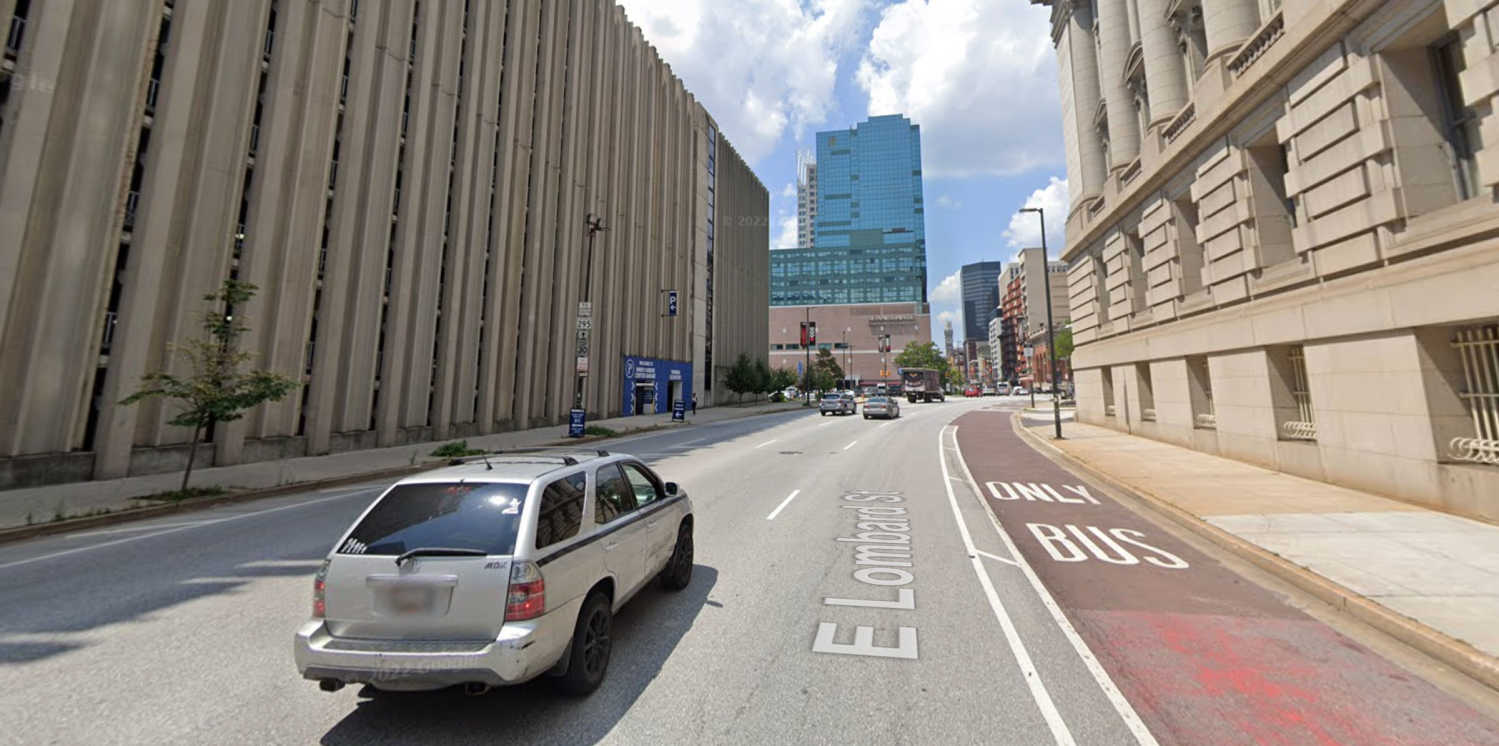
330	685
476	688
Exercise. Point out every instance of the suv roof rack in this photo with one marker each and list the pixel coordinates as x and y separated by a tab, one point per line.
565	459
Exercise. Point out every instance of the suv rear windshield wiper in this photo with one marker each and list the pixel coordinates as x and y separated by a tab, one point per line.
439	552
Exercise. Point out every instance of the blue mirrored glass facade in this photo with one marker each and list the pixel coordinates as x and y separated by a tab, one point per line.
871	231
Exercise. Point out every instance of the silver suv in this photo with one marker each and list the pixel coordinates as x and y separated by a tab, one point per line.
493	571
838	402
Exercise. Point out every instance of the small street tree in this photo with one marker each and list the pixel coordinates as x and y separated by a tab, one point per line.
782	379
825	361
214	389
1063	343
741	376
764	381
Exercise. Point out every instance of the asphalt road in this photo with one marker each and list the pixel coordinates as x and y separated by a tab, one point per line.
179	629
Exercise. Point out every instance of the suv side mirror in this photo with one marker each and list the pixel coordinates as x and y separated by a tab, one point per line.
671	488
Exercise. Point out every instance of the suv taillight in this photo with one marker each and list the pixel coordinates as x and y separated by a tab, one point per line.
527	598
319	584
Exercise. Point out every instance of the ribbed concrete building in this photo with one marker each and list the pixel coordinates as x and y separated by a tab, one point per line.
407	182
1283	238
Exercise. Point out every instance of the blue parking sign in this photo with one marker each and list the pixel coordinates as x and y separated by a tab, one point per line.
671	303
575	420
679	411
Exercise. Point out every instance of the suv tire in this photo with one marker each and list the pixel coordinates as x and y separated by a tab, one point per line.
678	571
590	648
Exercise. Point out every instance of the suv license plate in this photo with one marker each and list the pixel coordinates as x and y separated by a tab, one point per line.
411	600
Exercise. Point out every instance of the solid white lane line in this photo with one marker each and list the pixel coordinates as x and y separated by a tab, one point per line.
996	558
1121	705
66	552
129	529
1059	731
850	445
783	505
768	442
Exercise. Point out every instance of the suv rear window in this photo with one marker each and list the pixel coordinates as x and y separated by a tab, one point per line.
482	515
832	397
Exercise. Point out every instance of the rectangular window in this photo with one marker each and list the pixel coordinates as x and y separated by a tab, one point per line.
1146	393
1478	347
614	498
1108	391
1291	394
1201	383
482	516
560	515
1459	123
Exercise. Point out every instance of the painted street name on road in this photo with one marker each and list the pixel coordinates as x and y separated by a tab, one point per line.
882	548
1073	543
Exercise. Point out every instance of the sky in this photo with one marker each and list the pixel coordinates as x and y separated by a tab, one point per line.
978	76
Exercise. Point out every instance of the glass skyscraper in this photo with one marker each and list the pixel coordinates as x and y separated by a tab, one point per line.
869	243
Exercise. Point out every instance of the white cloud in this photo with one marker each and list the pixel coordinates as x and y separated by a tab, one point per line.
789	191
948	202
950	290
1025	228
978	76
759	68
948	316
786	239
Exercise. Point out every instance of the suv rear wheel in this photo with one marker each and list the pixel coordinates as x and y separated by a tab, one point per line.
678	571
591	645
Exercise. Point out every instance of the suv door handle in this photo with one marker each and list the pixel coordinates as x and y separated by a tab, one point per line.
610	547
651	524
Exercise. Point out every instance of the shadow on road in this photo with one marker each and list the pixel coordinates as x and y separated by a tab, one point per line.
646	631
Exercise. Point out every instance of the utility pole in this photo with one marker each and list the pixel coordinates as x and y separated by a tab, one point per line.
1051	341
594	225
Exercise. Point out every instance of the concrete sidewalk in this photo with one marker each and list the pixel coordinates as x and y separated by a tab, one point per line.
41	504
1438	569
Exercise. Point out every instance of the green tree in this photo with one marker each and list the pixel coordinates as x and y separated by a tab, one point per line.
741	376
1063	343
214	389
922	355
827	362
782	379
955	377
764	383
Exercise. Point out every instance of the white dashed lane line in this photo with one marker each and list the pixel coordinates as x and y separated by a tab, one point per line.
783	505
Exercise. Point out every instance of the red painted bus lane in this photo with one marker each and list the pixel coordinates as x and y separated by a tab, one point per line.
1204	655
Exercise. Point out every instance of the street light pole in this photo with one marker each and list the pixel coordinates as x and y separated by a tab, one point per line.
1051	342
594	224
807	341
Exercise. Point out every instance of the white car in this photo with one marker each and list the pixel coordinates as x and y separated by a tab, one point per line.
493	571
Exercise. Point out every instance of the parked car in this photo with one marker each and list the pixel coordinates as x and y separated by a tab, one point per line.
838	402
492	571
1019	391
881	406
1003	389
971	391
989	391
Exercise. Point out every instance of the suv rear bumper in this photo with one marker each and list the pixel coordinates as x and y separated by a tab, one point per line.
523	651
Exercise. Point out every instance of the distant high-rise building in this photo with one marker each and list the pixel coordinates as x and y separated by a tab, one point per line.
947	338
806	198
869	235
980	297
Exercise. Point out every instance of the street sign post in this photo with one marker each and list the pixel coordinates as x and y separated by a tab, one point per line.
585	327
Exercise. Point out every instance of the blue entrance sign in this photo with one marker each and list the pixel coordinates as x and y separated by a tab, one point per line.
651	384
679	411
575	420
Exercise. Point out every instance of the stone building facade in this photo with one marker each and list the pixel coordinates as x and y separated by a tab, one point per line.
407	183
1283	238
